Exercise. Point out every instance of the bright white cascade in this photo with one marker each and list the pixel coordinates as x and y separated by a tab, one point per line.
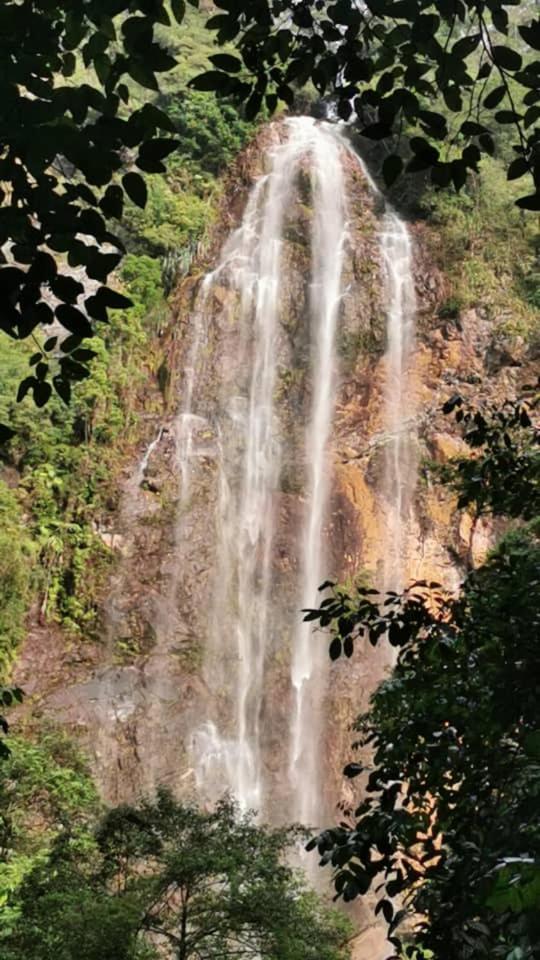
309	654
242	303
251	457
400	456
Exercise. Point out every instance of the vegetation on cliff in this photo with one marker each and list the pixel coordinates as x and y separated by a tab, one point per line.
59	488
448	832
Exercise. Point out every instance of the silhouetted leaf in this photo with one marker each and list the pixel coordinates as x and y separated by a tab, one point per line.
135	188
494	97
6	433
74	321
42	392
335	648
63	388
178	8
532	202
392	167
226	62
506	58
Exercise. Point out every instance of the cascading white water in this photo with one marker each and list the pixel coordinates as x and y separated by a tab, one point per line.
398	417
309	656
244	300
228	754
400	465
187	421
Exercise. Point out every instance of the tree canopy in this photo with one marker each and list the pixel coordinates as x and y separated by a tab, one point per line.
392	66
165	879
70	151
441	77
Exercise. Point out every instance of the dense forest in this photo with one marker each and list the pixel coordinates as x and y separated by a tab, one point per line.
270	288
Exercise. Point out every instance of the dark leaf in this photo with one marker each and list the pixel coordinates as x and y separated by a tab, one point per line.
211	80
42	392
517	168
153	152
74	321
6	433
70	343
531	34
253	105
494	97
178	8
66	288
377	131
507	116
464	47
507	58
335	648
24	387
63	388
353	770
135	188
226	62
83	355
532	202
392	167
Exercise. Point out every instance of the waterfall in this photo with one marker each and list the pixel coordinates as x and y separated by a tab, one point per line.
400	458
238	354
227	749
309	655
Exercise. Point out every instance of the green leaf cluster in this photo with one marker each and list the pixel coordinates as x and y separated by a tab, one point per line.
69	153
44	790
386	63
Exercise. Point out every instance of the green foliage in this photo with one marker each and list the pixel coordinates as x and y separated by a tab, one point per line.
211	131
142	275
44	789
95	144
68	459
69	154
175	217
166	879
448	831
487	249
387	64
503	477
16	560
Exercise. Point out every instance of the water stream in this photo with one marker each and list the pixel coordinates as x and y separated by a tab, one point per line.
400	447
309	657
251	450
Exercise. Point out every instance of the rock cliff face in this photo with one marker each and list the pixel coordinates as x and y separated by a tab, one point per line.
135	698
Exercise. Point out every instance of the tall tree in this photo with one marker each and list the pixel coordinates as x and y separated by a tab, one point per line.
170	880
